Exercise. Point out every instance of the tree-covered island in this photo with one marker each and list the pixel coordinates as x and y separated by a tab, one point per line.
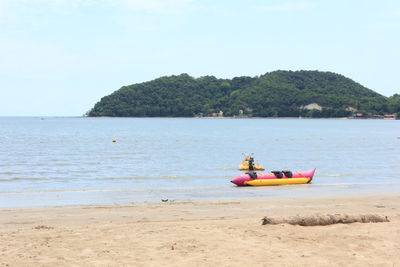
275	94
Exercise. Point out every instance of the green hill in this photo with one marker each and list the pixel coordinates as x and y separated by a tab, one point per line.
274	94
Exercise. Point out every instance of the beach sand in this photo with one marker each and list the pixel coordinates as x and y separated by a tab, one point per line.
201	233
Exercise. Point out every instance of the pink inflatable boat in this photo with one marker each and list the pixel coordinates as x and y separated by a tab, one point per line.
274	178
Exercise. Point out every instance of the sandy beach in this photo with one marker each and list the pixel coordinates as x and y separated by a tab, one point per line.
201	233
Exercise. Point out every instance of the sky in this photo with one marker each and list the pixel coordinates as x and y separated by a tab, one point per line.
60	57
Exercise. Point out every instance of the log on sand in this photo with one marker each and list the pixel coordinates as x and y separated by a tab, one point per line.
327	219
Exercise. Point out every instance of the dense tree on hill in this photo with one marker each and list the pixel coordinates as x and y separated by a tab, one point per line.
394	104
274	94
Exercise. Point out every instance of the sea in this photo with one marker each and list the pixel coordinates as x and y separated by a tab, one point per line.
58	161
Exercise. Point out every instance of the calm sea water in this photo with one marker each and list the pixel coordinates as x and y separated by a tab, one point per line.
68	161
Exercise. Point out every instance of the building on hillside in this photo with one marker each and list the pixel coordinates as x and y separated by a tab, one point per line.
390	117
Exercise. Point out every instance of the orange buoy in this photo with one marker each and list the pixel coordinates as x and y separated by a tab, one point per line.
114	140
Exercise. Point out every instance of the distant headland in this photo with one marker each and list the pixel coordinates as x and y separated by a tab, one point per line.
275	94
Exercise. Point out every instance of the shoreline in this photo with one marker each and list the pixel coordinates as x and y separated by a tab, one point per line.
205	201
135	196
206	233
195	117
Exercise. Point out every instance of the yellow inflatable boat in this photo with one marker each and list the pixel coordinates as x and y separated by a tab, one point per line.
247	162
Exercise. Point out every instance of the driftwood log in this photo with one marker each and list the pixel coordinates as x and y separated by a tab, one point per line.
327	219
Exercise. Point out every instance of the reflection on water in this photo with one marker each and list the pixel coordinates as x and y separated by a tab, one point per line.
62	161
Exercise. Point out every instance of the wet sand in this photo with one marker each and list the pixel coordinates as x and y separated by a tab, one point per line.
201	233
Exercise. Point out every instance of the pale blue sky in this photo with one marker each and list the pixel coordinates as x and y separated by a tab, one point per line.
59	57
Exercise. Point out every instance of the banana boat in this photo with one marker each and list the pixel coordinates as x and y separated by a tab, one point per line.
274	178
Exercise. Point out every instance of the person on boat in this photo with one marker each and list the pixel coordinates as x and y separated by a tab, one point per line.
251	164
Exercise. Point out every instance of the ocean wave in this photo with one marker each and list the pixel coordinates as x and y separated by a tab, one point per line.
228	169
122	178
351	183
24	179
168	177
335	175
114	190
